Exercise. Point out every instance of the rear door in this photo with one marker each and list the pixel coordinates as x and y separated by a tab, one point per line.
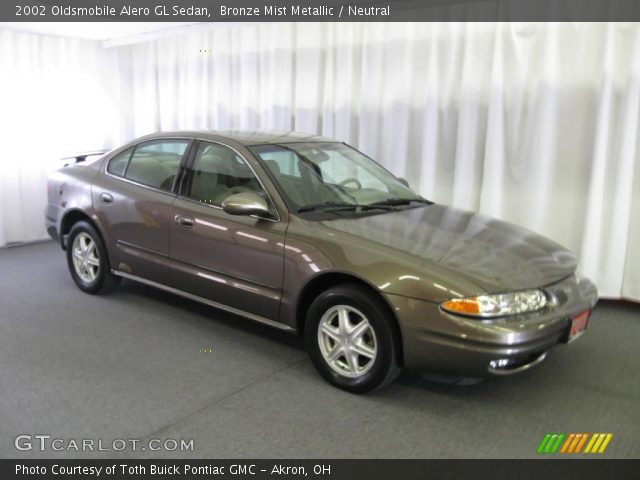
133	201
233	260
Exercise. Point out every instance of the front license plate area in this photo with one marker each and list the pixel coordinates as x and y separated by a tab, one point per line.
578	325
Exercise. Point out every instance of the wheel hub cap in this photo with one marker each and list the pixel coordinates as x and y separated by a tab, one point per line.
86	259
347	341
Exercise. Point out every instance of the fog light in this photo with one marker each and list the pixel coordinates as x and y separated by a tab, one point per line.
500	363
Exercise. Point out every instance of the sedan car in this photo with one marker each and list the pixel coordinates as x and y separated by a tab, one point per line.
308	235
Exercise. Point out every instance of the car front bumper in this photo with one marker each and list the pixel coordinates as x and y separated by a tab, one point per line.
434	340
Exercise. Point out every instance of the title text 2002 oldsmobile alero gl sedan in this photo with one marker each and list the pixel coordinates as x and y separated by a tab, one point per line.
307	234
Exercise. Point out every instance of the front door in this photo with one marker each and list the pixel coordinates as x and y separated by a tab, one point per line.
233	260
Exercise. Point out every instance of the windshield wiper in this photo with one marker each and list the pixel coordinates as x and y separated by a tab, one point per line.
387	204
324	206
396	202
330	206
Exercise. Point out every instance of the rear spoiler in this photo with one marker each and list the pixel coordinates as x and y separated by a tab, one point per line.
81	157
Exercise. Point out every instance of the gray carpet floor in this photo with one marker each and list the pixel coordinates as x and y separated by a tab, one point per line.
140	363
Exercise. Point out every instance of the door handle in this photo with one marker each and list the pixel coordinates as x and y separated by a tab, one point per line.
106	197
182	221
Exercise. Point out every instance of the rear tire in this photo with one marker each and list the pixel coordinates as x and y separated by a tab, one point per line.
351	339
88	261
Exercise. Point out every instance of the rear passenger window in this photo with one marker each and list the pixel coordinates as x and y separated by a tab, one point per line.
156	163
219	172
118	164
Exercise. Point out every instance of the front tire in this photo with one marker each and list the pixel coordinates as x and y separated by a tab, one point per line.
351	339
88	261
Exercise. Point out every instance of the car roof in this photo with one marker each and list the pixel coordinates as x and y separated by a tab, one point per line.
244	137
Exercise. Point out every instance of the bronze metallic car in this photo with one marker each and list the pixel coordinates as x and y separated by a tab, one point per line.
307	234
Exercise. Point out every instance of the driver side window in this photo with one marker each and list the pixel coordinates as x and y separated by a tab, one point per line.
219	172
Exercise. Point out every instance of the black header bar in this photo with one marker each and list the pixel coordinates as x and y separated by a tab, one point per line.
309	10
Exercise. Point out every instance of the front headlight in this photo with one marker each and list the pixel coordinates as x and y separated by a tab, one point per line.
498	305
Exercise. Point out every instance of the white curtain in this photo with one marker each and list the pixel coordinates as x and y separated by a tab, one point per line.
536	124
55	99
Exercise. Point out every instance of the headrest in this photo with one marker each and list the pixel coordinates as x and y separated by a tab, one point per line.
273	166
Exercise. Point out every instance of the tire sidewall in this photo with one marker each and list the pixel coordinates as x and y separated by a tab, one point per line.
376	314
98	283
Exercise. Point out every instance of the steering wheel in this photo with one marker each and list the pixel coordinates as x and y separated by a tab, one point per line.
346	181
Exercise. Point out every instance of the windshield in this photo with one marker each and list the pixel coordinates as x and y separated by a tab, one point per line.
318	175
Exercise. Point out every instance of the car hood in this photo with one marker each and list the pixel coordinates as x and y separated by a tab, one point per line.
492	254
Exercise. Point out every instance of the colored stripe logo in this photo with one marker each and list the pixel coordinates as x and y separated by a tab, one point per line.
574	443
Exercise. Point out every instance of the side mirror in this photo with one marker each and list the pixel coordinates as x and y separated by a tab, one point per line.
246	203
404	181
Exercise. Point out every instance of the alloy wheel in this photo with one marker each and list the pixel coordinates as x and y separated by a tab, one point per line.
86	259
347	341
